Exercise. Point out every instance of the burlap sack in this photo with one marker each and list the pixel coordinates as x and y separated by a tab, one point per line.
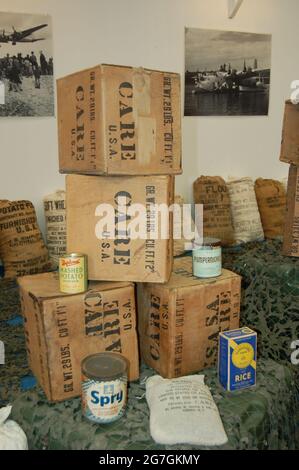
55	215
271	199
212	192
180	219
245	213
22	248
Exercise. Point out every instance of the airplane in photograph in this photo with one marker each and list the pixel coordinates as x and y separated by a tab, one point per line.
20	36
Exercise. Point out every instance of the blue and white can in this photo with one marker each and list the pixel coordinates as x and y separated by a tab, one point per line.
104	387
207	258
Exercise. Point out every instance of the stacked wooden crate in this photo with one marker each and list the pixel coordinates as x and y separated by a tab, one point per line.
290	154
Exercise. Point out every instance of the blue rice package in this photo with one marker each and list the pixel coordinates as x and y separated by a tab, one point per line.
237	358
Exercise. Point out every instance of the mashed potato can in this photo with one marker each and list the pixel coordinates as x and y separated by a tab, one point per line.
73	273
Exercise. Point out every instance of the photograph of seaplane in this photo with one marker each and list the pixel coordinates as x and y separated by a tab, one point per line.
20	36
223	77
232	81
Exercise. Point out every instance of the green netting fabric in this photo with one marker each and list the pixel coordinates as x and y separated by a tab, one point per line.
270	296
262	418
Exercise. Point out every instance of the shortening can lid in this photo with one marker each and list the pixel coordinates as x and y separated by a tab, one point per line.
104	366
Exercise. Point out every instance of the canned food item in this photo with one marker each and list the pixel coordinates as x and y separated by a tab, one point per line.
104	387
207	259
73	273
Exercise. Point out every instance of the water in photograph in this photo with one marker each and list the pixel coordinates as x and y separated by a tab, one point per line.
249	103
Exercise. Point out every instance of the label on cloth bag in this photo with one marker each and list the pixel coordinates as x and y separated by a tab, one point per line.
104	402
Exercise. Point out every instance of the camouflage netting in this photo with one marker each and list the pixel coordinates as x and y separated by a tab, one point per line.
262	418
270	296
254	419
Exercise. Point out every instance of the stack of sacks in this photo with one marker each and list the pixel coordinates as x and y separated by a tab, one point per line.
120	140
239	211
212	192
290	154
245	213
271	199
22	248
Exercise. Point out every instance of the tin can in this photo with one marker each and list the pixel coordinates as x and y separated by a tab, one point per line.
207	258
104	387
73	273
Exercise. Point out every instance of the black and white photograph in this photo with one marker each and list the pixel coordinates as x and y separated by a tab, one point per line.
227	73
26	65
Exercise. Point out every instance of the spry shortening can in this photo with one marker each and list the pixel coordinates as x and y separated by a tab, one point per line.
73	273
104	387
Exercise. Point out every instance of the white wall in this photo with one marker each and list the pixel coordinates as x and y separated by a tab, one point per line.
150	33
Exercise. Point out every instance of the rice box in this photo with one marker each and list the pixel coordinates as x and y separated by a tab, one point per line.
237	358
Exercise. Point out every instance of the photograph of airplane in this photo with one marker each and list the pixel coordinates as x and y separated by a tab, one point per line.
228	80
26	65
226	73
20	36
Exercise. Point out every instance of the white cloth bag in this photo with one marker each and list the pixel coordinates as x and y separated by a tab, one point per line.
245	212
12	436
183	411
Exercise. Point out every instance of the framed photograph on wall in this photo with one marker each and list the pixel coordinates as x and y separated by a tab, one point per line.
227	73
26	65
